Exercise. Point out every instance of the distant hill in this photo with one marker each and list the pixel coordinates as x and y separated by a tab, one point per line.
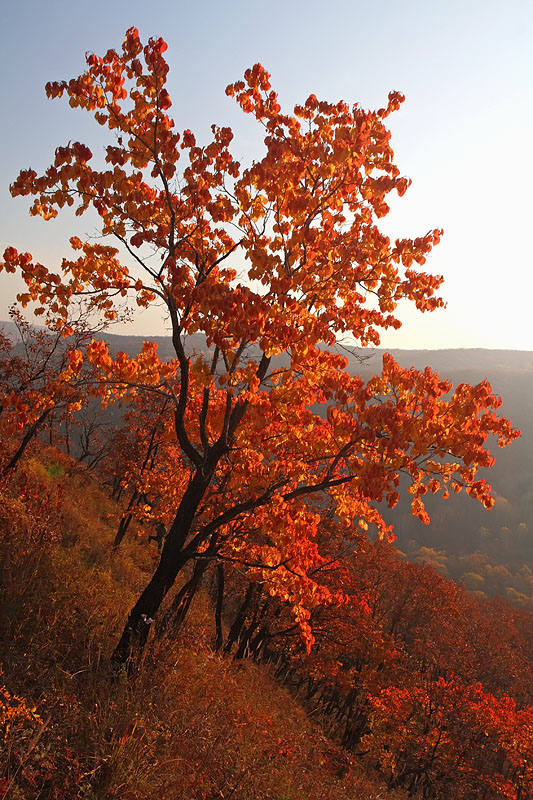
459	526
467	361
9	329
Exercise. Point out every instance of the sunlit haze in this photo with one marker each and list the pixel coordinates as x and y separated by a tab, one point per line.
463	135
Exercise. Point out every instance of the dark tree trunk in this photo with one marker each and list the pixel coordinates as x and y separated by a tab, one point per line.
174	556
240	618
67	437
257	644
137	628
177	550
122	529
183	599
218	607
245	639
28	436
124	523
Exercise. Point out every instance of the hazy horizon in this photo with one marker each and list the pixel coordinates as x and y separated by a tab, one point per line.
370	348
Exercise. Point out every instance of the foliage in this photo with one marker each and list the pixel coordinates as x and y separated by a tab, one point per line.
412	674
37	387
193	725
253	455
268	462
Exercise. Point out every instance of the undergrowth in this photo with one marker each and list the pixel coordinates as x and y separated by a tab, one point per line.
191	724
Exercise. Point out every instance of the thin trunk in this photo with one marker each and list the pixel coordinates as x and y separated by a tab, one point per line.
123	526
218	607
257	644
174	556
240	618
124	523
245	639
28	436
67	437
183	599
116	494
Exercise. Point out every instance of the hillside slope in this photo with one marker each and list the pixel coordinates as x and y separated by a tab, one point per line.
192	725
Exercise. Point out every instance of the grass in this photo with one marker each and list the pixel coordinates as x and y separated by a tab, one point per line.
192	725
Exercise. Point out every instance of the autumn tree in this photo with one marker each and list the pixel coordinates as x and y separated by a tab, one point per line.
272	264
423	678
144	455
38	385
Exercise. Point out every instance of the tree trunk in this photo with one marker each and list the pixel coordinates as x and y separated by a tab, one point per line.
125	521
218	607
28	436
182	601
245	639
122	529
174	556
240	618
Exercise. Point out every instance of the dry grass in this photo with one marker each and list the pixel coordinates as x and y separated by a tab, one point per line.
192	725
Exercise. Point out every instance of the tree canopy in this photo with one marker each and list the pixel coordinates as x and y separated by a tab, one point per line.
270	439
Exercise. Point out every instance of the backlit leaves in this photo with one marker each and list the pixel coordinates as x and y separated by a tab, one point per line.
272	263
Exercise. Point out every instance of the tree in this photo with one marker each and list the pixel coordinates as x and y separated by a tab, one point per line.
272	265
37	382
430	682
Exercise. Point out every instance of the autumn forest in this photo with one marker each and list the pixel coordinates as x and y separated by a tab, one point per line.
260	557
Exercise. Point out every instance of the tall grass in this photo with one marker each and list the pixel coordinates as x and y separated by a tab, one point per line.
190	725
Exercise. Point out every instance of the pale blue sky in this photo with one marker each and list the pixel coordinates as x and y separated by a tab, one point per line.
464	134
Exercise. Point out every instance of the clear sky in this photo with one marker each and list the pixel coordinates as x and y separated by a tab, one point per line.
464	135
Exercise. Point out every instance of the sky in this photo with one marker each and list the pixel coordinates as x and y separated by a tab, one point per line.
463	136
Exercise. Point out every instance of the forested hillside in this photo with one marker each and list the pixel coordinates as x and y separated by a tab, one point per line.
406	673
414	684
188	530
492	552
